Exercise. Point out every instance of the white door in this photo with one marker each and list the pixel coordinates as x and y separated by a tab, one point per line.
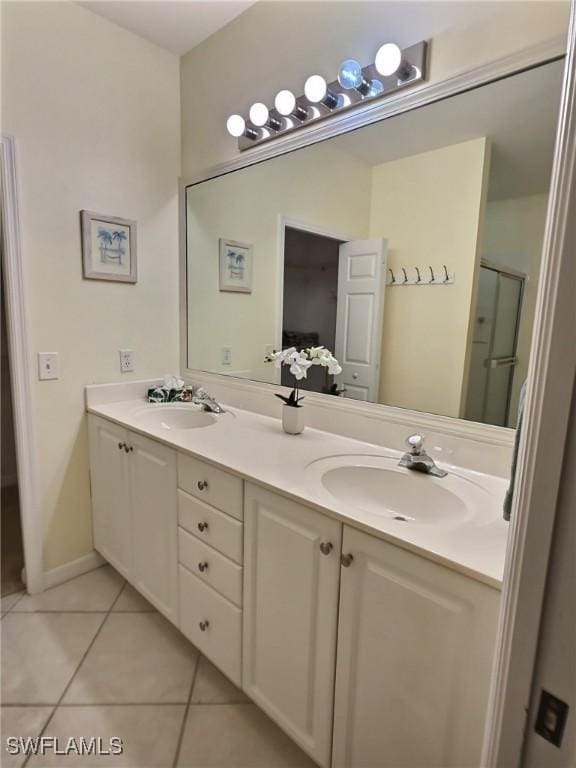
361	283
415	649
109	480
291	572
153	484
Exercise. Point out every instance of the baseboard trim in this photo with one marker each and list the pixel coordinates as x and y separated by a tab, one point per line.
74	568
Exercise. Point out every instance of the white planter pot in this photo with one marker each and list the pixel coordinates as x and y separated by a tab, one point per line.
292	419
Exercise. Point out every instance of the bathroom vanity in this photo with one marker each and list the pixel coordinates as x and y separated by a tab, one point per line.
367	634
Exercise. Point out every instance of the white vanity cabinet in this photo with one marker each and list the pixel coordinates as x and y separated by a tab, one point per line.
415	649
291	574
110	486
134	505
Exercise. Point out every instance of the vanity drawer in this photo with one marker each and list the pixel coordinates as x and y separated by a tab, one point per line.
210	566
211	485
215	528
221	638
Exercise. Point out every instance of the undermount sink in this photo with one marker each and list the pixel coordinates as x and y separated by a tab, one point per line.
174	417
377	485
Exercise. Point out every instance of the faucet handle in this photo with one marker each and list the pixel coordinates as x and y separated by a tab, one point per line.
416	444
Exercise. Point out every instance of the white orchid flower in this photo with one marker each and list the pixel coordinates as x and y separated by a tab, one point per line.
300	360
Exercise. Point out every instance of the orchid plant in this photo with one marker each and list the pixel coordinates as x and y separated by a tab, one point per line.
299	361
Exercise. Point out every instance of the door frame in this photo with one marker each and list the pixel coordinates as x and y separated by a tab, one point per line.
20	369
551	379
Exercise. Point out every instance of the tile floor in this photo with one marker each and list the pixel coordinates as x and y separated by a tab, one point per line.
93	658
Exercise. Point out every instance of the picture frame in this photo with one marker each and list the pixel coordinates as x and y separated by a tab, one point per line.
108	247
235	266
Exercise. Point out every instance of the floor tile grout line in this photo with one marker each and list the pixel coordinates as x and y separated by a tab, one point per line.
73	704
186	711
69	683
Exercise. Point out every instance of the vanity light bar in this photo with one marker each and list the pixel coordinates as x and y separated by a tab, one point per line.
393	70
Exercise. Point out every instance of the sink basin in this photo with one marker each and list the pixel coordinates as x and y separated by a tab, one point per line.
378	486
174	417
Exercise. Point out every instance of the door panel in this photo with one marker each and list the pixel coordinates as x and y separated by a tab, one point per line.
290	616
155	522
361	271
406	694
111	510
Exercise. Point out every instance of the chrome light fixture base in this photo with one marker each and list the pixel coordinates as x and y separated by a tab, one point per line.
413	70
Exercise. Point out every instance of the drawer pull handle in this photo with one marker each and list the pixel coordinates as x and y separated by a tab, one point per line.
326	547
202	485
128	448
204	625
121	445
202	527
203	567
346	560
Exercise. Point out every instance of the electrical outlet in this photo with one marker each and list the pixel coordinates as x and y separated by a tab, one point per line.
126	360
47	366
226	355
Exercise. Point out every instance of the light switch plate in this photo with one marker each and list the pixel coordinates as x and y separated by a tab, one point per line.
226	355
47	366
126	360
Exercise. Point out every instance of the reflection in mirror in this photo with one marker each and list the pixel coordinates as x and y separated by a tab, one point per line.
410	247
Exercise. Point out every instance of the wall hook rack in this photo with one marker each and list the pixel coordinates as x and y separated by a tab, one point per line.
417	275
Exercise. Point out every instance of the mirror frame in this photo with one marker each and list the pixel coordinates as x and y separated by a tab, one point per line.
420	96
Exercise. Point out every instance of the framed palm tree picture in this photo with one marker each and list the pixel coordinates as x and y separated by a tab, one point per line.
235	266
108	247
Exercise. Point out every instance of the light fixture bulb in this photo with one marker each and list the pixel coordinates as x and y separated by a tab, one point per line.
259	114
285	102
236	125
350	74
315	88
376	88
388	59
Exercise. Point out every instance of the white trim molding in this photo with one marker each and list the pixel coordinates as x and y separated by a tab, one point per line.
16	320
551	378
74	568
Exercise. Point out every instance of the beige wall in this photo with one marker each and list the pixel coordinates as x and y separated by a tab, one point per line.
320	186
95	114
429	207
513	237
275	45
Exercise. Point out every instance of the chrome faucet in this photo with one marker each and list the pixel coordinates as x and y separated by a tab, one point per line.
417	458
201	397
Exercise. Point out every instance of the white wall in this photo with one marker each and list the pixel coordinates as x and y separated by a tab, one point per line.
95	113
247	206
513	236
556	663
429	207
276	45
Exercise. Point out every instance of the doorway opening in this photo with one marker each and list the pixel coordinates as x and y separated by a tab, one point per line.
12	554
310	300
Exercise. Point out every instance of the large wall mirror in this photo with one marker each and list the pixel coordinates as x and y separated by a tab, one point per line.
410	247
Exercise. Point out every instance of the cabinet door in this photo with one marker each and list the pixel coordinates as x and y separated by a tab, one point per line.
290	616
109	477
155	522
415	649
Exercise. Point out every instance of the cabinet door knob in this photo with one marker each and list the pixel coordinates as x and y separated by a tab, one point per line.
121	445
204	625
346	560
203	567
326	547
202	527
202	485
128	448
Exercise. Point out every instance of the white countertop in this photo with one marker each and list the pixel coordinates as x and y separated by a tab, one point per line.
256	448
